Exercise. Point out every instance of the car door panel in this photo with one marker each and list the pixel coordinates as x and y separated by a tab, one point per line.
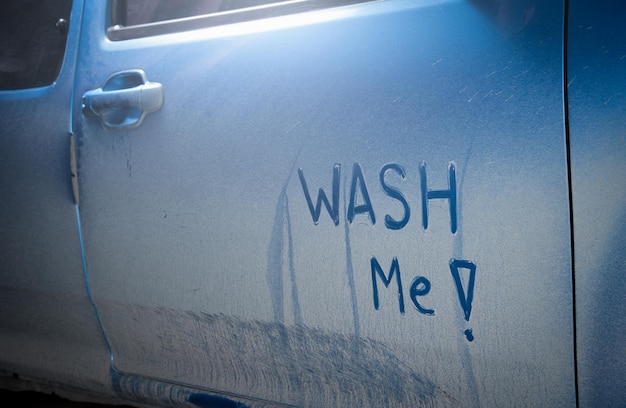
365	205
596	80
48	329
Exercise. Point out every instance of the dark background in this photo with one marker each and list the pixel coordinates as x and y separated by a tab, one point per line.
28	399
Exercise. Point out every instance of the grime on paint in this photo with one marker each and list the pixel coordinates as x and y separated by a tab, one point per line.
358	186
420	285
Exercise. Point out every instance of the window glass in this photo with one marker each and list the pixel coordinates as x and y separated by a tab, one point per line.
33	34
149	11
143	18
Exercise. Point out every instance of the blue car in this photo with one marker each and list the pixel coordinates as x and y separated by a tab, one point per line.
314	203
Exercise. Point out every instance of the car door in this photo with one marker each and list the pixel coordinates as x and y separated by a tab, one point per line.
596	78
363	204
48	329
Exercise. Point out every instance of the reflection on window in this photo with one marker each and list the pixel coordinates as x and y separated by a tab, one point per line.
32	41
135	12
144	18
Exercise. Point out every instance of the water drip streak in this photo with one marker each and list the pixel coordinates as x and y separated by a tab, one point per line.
457	252
274	273
275	263
297	314
350	272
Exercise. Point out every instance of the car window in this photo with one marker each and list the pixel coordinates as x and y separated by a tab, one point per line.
145	11
32	42
143	18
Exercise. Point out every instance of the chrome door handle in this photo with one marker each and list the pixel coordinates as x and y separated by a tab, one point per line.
124	100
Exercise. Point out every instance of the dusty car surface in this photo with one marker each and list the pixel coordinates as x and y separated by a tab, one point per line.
314	202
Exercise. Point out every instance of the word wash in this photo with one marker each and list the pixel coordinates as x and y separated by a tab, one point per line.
358	185
420	285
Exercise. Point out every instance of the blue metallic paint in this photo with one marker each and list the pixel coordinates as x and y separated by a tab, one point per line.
216	266
185	212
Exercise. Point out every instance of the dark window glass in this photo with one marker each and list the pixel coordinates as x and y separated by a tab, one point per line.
135	12
150	11
33	34
143	18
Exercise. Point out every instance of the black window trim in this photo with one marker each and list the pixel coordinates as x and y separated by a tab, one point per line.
119	32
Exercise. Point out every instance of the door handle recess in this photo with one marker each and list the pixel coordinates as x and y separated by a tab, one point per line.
124	100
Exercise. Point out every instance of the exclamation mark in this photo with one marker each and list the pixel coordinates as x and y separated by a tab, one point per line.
466	295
